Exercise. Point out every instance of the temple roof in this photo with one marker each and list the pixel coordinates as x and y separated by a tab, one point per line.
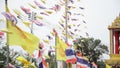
115	24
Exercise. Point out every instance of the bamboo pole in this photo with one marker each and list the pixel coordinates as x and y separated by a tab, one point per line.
6	9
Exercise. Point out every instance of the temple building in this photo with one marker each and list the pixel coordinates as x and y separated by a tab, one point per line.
114	30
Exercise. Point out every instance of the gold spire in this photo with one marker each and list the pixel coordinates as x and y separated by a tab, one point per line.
115	24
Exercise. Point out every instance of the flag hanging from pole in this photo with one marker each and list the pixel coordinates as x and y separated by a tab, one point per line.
23	60
70	56
60	49
81	62
16	36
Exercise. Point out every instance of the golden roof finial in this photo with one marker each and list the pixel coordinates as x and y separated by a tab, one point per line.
116	23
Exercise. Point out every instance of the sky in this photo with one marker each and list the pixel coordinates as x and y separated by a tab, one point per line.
98	14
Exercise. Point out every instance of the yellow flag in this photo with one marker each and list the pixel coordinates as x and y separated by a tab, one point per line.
78	0
44	1
39	17
60	49
26	40
26	63
18	12
32	65
17	36
26	23
46	41
32	6
49	12
108	66
23	60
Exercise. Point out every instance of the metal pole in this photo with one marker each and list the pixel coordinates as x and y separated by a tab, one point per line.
7	60
66	24
32	17
66	20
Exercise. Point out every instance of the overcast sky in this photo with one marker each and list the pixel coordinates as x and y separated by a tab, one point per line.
100	14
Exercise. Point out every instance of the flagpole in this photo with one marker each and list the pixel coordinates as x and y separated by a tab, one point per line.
31	16
7	61
66	26
66	20
55	50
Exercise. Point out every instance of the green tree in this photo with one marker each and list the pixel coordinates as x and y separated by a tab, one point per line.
91	48
3	57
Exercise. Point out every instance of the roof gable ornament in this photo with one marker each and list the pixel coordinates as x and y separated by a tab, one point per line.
116	23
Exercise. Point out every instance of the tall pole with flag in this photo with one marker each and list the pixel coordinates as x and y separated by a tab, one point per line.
66	20
55	49
64	65
66	26
7	61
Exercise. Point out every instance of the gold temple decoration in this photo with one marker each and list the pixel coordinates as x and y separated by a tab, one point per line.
114	58
115	24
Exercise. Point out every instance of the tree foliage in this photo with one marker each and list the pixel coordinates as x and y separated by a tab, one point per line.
3	56
91	48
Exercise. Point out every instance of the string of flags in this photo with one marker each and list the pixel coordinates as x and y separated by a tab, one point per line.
44	12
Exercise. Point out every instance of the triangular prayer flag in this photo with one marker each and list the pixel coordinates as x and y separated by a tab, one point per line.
32	5
26	23
26	10
17	12
43	1
39	5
